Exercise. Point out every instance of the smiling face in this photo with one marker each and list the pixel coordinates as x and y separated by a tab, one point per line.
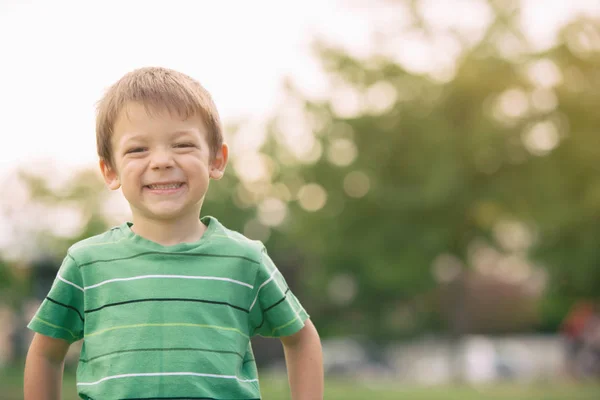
162	163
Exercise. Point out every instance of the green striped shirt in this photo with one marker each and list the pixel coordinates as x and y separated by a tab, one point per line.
161	322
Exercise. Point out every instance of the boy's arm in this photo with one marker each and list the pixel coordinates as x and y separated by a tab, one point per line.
304	360
44	368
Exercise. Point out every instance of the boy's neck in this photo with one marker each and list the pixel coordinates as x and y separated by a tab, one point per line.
169	233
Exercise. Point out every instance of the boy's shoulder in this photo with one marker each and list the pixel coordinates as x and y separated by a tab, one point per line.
97	243
236	242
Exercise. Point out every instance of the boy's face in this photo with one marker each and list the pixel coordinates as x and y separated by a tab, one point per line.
162	163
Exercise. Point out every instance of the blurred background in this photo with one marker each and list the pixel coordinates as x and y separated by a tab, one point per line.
425	173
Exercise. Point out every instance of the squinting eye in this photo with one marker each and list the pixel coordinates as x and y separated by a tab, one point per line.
135	150
184	145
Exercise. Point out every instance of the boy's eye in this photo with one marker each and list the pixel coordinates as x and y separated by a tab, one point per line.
135	150
183	145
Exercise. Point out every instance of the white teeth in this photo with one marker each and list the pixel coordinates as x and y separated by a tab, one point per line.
165	187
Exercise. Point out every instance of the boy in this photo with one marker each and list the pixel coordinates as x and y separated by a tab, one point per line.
166	304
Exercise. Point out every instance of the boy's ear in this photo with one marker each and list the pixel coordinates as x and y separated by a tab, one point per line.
217	166
111	178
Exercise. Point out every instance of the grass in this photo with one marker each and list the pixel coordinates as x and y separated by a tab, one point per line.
275	387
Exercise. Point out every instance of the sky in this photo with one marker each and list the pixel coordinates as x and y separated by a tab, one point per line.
57	58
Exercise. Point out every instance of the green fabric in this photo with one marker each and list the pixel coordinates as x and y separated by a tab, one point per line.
168	321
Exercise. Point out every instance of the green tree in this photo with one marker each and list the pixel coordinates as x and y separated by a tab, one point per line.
416	166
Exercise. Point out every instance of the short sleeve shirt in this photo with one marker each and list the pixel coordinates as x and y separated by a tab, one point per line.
168	321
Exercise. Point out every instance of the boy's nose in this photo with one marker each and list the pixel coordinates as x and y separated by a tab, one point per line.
161	158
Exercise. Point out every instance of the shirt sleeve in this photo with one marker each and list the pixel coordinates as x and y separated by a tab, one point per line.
275	311
61	314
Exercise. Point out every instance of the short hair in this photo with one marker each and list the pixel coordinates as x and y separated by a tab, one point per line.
157	89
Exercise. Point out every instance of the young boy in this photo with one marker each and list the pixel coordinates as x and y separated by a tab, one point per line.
166	304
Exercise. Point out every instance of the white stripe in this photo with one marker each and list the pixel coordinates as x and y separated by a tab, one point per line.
69	283
261	286
133	278
165	374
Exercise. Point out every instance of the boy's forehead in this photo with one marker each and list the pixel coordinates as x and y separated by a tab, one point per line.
137	111
137	115
142	135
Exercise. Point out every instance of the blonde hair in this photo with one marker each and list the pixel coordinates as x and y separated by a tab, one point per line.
157	89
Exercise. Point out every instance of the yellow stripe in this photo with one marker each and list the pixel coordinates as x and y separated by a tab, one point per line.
241	240
286	324
57	327
168	324
223	236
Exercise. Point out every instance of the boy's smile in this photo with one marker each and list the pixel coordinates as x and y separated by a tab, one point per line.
162	163
163	188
